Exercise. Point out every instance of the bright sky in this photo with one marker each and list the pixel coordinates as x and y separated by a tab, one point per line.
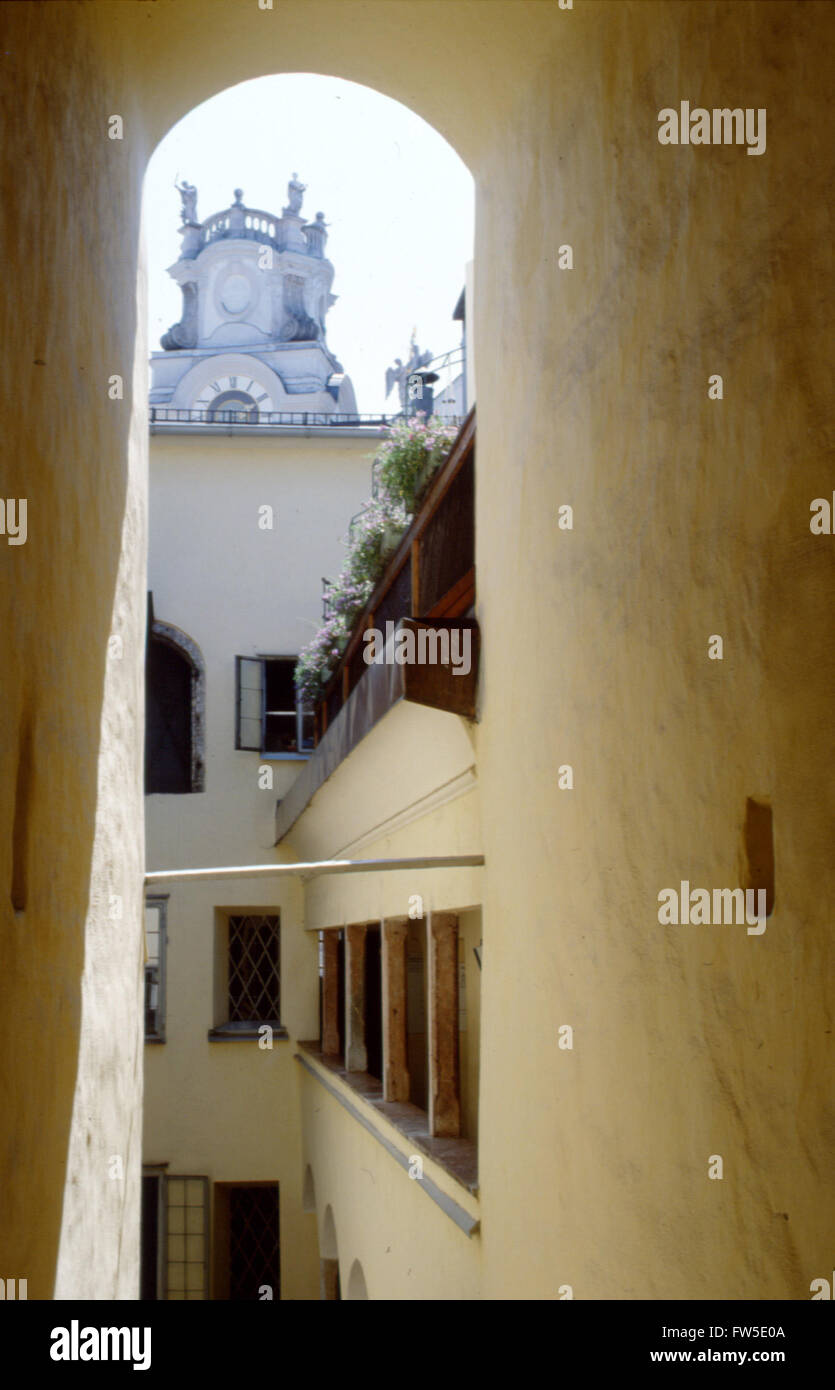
398	201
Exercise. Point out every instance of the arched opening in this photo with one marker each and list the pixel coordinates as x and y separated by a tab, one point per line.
104	589
175	679
400	264
247	341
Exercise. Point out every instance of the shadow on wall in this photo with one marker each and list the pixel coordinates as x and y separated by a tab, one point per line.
356	1283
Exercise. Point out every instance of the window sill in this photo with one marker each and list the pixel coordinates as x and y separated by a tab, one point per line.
149	1038
246	1032
286	757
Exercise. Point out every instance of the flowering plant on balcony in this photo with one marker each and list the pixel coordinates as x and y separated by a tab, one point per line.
373	534
320	658
402	466
347	596
410	455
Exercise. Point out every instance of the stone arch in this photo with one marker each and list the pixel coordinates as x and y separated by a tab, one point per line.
186	646
200	82
357	1289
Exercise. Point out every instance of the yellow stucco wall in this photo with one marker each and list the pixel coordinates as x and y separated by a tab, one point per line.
230	1110
691	518
73	314
408	1246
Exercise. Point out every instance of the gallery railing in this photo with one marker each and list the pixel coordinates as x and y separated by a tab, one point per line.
431	575
174	415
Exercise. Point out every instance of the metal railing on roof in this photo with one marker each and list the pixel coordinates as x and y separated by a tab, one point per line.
175	415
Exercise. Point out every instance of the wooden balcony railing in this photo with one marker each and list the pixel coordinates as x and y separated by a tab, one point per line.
430	577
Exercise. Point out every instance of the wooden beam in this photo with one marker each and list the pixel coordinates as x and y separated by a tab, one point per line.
356	1055
456	600
395	1063
415	578
330	995
444	1097
437	685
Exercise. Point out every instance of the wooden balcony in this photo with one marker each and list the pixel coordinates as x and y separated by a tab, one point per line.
428	589
430	577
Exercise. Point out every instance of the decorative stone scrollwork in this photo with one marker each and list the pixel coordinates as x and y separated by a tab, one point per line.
184	333
297	325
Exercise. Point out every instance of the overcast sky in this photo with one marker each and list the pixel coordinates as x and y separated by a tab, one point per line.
398	200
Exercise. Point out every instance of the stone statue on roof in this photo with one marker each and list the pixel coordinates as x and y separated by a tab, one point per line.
295	193
400	373
188	193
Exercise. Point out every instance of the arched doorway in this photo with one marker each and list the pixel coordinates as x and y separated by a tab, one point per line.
175	698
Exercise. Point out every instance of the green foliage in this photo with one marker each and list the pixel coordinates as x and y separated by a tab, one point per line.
403	464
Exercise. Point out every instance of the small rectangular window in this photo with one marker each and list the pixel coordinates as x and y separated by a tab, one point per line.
156	912
254	964
247	1256
270	719
186	1262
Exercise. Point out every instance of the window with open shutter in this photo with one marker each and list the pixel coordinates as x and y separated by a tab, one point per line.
249	707
269	718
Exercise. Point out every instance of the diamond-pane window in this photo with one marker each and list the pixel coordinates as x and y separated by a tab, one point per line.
254	969
253	1242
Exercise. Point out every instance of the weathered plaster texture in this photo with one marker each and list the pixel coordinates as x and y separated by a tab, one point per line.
691	518
69	990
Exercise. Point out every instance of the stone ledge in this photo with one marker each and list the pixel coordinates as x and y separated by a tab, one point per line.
231	1033
457	1157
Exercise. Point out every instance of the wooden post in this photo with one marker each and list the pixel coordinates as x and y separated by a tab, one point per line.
444	1098
330	995
395	1065
415	578
356	1056
328	1279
